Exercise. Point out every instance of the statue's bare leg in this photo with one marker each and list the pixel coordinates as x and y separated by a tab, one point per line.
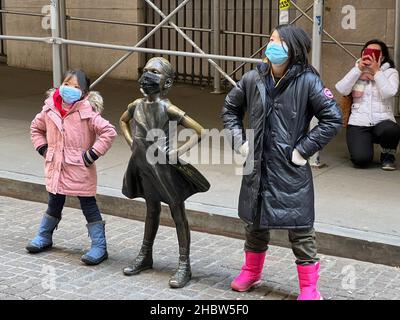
183	273
144	259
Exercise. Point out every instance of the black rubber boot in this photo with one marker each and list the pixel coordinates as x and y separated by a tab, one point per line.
143	261
183	274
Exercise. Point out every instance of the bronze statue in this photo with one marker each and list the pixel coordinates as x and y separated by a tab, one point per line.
171	182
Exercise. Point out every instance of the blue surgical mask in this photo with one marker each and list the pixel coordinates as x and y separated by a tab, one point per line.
70	95
277	53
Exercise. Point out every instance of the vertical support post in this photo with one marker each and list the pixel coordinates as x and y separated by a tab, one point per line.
55	33
397	47
64	35
2	51
317	34
217	42
318	26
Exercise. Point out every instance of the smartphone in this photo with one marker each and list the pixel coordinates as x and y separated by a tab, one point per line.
373	53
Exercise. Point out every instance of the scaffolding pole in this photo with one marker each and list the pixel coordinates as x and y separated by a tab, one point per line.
60	41
164	21
217	44
64	35
55	32
192	43
324	31
2	49
318	26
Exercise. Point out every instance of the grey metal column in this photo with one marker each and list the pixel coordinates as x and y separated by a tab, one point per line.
318	26
55	33
397	46
64	35
217	43
317	34
2	49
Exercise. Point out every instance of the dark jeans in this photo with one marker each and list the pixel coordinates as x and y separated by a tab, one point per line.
303	243
361	140
88	204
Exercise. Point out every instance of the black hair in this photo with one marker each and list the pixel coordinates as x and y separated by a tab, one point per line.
385	51
298	42
82	78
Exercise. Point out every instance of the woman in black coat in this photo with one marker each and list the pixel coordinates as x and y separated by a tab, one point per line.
280	98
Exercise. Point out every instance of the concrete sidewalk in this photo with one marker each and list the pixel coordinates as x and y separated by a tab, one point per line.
355	204
216	260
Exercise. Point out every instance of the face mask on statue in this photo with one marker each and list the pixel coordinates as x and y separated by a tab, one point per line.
150	83
277	53
70	95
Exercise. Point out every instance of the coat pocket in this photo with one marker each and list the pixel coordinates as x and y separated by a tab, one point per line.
75	172
73	157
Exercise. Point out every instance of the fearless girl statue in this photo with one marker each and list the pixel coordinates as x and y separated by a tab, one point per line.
168	179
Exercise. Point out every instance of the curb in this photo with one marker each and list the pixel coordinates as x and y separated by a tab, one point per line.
336	241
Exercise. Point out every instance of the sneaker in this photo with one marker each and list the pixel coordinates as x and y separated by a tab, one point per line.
388	162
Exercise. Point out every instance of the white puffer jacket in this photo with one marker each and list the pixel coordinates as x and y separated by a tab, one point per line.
376	104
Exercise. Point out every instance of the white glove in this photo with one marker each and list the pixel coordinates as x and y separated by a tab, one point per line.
244	149
297	158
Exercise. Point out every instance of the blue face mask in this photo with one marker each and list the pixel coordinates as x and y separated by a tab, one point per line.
70	95
276	53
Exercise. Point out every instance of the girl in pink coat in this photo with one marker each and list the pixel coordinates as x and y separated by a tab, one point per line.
71	135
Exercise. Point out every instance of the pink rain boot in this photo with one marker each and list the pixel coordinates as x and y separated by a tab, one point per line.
250	276
308	278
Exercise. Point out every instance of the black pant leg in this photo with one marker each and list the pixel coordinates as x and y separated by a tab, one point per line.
387	134
304	246
90	209
56	205
257	239
360	145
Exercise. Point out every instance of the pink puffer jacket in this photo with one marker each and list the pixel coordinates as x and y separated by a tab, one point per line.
81	129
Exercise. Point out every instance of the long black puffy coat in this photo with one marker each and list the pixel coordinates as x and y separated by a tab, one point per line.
277	194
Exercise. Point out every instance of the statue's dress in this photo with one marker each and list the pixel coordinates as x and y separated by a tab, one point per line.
164	182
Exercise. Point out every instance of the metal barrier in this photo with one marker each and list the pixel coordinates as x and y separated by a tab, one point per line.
57	40
209	26
209	31
233	34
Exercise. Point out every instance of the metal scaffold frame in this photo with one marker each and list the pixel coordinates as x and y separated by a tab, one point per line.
60	41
